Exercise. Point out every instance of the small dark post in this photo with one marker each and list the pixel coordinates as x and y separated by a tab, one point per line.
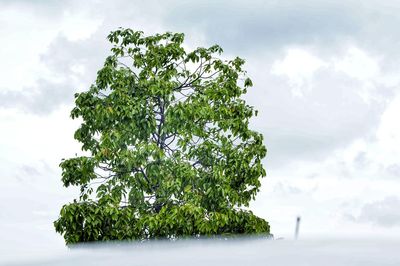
296	233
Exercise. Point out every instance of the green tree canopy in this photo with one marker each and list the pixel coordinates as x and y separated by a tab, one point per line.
170	152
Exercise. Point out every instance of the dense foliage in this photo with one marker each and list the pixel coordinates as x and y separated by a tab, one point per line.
170	152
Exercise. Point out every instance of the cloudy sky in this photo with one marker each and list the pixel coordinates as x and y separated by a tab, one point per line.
326	83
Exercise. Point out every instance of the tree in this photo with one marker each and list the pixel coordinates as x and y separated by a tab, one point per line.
168	144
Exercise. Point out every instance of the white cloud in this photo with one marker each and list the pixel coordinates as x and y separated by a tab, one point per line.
388	134
78	26
26	34
298	66
23	38
382	213
358	64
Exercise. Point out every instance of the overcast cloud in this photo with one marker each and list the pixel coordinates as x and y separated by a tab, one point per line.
326	82
383	213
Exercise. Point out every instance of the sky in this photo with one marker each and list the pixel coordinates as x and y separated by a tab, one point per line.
326	84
